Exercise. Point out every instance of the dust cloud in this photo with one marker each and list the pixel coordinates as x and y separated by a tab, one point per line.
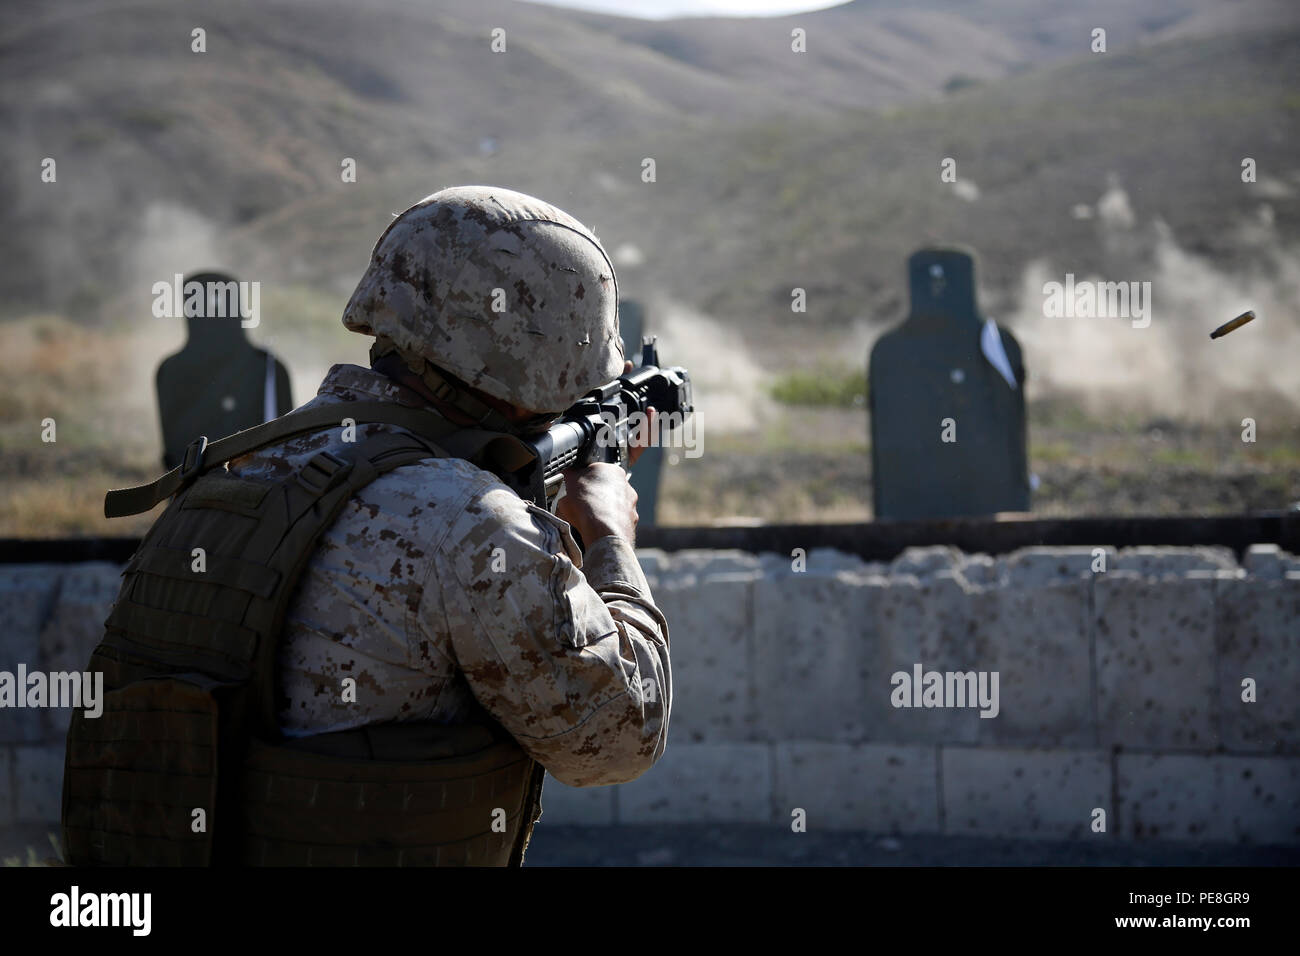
1171	368
728	384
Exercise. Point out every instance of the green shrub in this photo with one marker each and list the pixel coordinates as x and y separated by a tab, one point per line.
824	387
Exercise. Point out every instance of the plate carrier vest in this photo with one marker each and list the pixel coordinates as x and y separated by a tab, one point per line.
186	765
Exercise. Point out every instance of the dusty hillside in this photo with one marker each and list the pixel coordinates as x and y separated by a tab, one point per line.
740	216
152	138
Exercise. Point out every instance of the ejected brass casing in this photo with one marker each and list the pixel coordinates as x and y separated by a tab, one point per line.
1236	323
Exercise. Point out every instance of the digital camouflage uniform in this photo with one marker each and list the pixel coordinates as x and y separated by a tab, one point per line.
438	586
348	647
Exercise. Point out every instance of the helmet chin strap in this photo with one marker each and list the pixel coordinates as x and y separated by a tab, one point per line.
440	384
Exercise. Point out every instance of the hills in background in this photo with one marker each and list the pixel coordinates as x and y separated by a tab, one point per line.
775	169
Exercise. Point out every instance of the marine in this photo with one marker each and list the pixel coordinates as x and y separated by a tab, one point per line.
401	594
388	645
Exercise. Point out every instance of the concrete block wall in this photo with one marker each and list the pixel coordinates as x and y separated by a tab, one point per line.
1120	692
51	618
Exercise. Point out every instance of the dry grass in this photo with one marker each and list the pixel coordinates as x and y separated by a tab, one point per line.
800	464
95	383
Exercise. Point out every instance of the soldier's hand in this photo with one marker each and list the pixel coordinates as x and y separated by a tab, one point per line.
598	500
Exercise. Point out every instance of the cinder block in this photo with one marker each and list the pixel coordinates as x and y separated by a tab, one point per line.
910	622
1171	797
581	806
1167	561
76	625
27	594
1155	662
981	571
813	653
1252	800
1024	794
874	787
675	577
928	561
831	561
709	627
1036	640
1033	567
705	562
1265	561
826	561
652	560
1262	798
1269	561
38	779
1258	637
700	783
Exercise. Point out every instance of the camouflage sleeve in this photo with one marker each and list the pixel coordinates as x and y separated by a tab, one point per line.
573	665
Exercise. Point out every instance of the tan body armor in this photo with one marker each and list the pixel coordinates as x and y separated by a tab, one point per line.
186	765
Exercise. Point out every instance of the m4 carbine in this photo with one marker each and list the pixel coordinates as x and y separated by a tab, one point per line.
603	424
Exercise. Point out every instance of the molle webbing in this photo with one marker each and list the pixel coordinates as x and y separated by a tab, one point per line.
379	801
189	720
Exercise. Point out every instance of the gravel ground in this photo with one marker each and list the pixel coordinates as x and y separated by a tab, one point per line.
732	845
708	845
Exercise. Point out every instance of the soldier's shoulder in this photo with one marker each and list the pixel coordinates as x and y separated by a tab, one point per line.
454	480
494	515
473	503
487	501
418	510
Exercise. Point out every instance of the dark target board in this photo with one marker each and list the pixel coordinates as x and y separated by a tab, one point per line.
947	422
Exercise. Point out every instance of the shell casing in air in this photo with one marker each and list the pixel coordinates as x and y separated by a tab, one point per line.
1236	323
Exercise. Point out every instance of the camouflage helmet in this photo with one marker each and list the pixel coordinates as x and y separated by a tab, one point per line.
504	291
